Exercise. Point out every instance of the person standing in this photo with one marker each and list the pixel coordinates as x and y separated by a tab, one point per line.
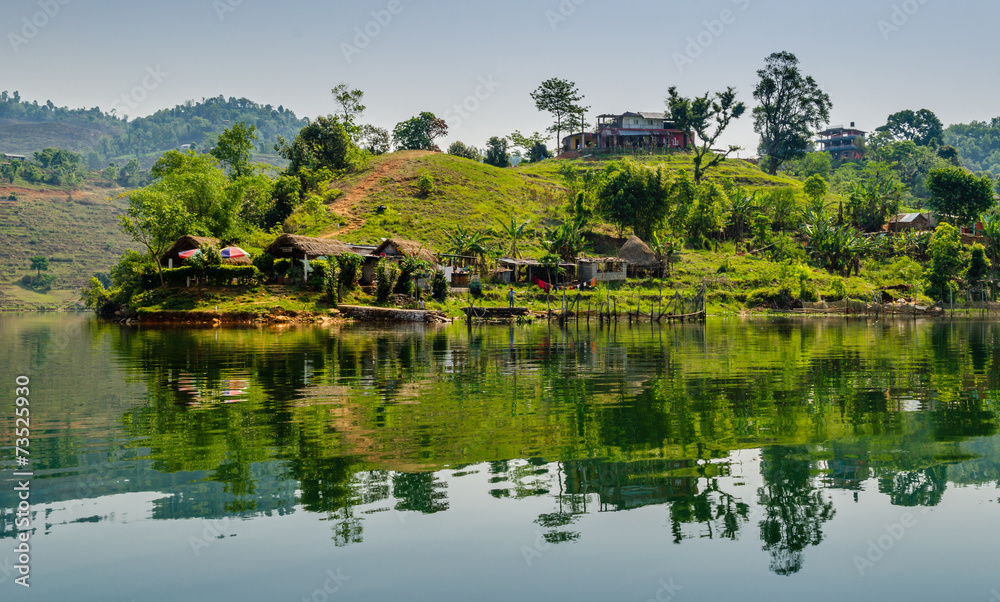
510	297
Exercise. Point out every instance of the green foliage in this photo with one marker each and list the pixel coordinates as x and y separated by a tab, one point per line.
811	164
439	286
513	231
496	152
350	266
410	269
419	133
956	192
264	262
319	272
41	283
350	106
557	97
331	282
235	148
706	217
979	265
476	288
707	116
872	201
323	143
815	188
831	247
282	267
425	184
286	195
459	149
838	290
40	264
386	274
634	197
921	127
790	107
947	260
565	241
781	205
762	231
375	140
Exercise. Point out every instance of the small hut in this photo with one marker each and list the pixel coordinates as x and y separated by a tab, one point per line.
395	248
642	261
291	246
607	269
172	257
912	221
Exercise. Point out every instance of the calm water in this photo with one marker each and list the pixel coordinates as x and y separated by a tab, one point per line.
729	461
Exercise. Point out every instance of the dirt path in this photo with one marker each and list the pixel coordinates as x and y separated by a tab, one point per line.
385	168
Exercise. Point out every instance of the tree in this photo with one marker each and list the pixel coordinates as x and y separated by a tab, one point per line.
558	97
947	260
351	107
959	193
922	127
40	264
634	197
512	231
418	133
707	116
234	149
790	105
375	140
155	220
979	266
459	149
815	188
321	143
496	152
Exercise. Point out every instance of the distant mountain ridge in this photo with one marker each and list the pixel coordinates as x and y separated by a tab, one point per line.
27	127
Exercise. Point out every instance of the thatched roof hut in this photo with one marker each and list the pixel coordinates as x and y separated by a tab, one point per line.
637	252
187	243
406	248
291	246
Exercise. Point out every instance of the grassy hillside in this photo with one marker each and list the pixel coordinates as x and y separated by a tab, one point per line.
475	195
77	231
24	138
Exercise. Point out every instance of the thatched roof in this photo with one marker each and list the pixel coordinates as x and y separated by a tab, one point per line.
187	242
406	248
290	246
637	252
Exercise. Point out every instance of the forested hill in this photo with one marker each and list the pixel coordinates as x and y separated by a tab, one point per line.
978	144
26	127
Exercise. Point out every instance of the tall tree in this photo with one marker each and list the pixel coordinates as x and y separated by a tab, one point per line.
634	197
558	97
959	193
418	133
234	149
375	140
496	152
154	220
707	116
791	106
350	107
322	143
922	127
40	264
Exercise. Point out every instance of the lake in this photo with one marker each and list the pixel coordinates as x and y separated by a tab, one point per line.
765	459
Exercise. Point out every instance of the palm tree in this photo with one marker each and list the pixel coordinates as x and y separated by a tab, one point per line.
512	232
469	243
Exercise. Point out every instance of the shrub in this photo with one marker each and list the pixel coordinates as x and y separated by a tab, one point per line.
838	290
476	288
331	282
386	275
350	266
282	267
410	269
425	184
439	286
318	271
265	264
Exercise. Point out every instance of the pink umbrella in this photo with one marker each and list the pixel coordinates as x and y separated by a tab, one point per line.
231	252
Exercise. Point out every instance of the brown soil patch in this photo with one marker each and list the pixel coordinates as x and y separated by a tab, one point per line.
388	167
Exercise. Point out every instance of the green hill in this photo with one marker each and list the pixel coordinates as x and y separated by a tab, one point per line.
475	195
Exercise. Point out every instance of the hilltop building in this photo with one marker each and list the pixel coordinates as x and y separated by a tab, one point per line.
629	131
846	144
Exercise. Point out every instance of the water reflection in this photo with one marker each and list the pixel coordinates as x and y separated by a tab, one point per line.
350	422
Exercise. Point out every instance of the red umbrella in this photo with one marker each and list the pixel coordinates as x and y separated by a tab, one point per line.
189	253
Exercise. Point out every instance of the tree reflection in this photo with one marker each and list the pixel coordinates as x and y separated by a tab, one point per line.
795	508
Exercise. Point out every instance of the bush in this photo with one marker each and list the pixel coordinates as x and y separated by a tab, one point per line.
410	268
386	275
223	275
439	287
318	271
350	265
331	282
282	267
265	265
476	288
425	184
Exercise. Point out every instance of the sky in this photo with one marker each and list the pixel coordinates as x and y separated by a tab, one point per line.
475	63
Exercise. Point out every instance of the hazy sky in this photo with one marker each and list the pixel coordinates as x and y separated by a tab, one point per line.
873	57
